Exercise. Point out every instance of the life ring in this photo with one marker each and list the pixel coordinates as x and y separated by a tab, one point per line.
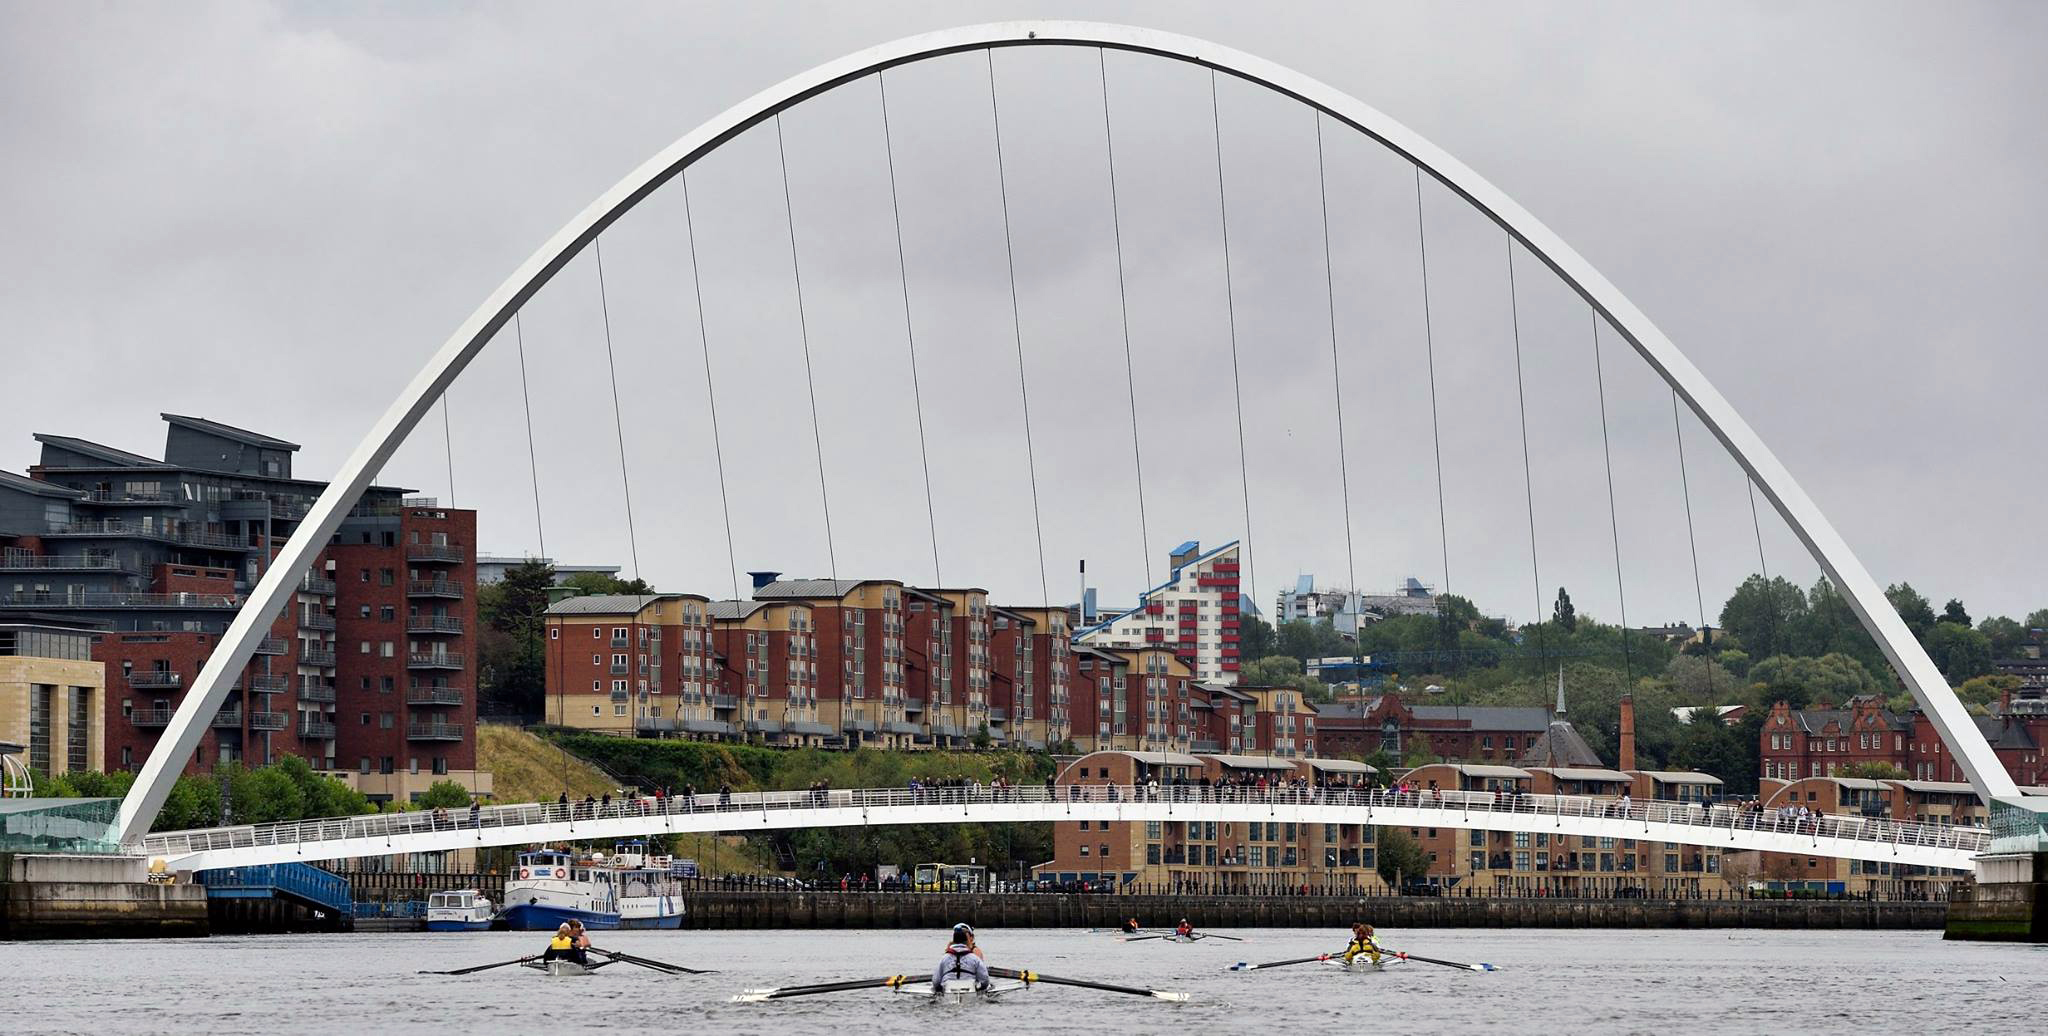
561	873
523	874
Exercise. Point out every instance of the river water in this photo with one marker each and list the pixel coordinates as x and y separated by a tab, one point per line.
1560	982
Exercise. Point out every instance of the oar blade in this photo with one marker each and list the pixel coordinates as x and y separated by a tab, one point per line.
1170	996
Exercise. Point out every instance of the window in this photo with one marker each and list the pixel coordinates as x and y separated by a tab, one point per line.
387	614
386	577
386	649
384	721
1084	849
364	646
366	759
1103	850
597	632
554	633
596	711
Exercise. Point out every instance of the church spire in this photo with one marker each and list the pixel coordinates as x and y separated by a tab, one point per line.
1560	690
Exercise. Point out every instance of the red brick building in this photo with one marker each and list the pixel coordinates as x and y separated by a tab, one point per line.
1823	741
366	673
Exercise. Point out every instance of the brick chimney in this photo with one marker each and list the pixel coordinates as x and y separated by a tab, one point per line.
1628	733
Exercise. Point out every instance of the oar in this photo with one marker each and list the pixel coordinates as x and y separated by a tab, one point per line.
755	996
1029	977
1242	966
1141	938
1213	935
1445	963
653	965
483	967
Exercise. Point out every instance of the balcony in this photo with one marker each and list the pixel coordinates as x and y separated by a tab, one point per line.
439	555
23	561
317	585
317	621
435	660
272	646
435	732
117	529
151	718
269	684
433	624
723	701
315	729
317	692
227	719
154	679
448	588
320	657
433	696
269	721
46	599
123	496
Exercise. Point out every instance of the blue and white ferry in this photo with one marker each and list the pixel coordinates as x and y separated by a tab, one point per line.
628	889
460	910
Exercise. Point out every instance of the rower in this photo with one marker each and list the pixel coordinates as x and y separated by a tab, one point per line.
582	938
1130	926
962	959
1184	929
563	945
1361	942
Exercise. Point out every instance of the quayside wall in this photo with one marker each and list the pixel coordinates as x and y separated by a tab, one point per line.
775	909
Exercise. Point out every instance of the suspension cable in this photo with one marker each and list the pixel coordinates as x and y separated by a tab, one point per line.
804	334
1613	521
1124	310
1706	634
540	533
1522	409
710	391
1436	442
448	444
909	328
618	417
1762	565
1337	390
1251	581
1017	324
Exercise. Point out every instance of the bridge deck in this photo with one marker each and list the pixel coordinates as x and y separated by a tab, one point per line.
1684	823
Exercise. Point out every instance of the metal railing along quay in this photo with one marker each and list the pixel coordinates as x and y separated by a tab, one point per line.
1709	824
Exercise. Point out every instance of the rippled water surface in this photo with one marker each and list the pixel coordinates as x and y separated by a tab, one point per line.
1550	981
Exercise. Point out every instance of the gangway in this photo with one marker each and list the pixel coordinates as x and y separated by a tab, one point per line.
1685	823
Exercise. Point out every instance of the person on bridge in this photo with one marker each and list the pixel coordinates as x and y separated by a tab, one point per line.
1362	942
962	960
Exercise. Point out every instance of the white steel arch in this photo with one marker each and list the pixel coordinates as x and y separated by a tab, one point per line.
273	592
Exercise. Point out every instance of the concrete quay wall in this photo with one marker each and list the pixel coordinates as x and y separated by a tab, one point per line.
765	909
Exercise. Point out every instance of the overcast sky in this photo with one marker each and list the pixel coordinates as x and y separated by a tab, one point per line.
271	214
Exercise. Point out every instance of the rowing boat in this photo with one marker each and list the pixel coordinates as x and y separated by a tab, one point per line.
1363	964
562	968
960	992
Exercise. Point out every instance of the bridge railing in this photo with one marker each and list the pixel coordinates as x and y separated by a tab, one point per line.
1703	822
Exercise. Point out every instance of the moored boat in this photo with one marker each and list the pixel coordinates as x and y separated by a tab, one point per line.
459	910
628	889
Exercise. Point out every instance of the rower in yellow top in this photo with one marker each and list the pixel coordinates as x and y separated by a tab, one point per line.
564	947
1361	942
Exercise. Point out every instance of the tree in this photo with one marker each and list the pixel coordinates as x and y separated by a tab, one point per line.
1985	690
1400	858
1960	651
2005	636
1562	614
596	583
510	668
1830	626
1875	770
2037	620
1254	636
1953	612
1306	639
444	795
1271	671
262	796
1799	682
1763	613
1913	609
1700	679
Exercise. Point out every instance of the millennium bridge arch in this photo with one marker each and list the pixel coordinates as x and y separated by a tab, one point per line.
1864	595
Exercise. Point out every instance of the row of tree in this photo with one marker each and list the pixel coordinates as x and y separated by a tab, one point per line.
288	789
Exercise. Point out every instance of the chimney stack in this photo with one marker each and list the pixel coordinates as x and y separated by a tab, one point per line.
1628	733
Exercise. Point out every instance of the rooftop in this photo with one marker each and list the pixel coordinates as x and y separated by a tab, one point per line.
604	604
201	424
119	458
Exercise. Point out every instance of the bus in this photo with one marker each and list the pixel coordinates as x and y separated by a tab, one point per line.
948	877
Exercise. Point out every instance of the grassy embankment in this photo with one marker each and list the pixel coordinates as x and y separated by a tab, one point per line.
525	768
